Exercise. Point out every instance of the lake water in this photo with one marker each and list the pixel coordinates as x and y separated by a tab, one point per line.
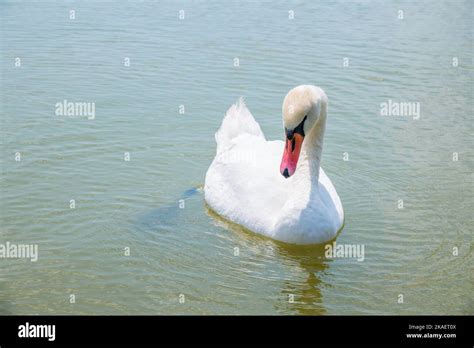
140	64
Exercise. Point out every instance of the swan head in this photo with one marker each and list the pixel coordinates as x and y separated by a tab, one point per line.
302	108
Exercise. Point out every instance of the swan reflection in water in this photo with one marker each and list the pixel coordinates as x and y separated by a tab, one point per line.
303	268
306	296
275	277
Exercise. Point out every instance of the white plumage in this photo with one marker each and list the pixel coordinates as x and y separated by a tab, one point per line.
244	183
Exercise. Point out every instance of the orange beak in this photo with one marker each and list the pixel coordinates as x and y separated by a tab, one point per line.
291	155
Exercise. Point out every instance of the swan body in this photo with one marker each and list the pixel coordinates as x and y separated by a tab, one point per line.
293	201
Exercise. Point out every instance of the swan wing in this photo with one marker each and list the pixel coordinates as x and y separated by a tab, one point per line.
237	121
243	183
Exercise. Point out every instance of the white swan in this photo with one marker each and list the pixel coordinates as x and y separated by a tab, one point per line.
293	202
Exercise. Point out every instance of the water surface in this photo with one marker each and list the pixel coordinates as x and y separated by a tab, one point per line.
136	204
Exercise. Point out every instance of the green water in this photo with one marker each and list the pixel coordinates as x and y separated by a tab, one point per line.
218	267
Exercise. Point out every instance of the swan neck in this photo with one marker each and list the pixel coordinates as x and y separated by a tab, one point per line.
312	149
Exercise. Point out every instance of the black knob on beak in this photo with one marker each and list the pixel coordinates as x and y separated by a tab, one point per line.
285	173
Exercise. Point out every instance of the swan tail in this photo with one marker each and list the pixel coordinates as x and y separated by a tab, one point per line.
237	121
